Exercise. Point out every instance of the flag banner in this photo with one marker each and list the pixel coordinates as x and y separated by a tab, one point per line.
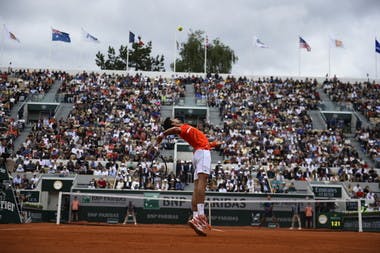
60	36
338	43
260	44
303	44
11	35
89	37
131	37
377	46
140	43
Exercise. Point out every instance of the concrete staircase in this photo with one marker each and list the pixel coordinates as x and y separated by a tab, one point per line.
22	137
317	119
51	95
214	117
64	111
326	104
319	123
361	152
189	95
166	111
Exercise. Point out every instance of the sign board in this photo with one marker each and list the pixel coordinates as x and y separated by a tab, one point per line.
336	221
327	192
30	196
57	184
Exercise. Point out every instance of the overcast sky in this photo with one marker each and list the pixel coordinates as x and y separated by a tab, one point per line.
235	22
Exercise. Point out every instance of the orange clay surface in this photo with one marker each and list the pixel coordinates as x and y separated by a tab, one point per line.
50	238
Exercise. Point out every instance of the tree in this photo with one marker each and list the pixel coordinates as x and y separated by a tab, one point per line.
112	62
139	58
219	56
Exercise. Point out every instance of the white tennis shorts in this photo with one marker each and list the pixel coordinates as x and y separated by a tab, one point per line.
201	162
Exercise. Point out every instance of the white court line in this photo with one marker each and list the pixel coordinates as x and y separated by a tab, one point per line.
5	229
218	230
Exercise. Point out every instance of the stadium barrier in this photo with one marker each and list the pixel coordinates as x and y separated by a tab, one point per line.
223	209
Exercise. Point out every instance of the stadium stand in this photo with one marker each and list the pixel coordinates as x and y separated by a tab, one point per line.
270	145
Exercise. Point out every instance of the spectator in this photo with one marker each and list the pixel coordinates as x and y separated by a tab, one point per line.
101	183
120	184
17	181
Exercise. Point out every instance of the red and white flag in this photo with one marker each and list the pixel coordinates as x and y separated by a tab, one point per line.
10	35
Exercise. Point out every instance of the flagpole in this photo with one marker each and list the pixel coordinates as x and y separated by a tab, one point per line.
82	58
299	61
205	64
50	49
253	57
375	65
50	53
375	59
329	59
2	46
175	51
126	67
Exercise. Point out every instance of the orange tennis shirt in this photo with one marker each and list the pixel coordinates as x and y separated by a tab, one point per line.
75	205
196	138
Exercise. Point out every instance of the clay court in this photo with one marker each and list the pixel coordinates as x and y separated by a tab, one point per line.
50	238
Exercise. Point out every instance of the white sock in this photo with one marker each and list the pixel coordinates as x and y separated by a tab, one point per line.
195	214
201	209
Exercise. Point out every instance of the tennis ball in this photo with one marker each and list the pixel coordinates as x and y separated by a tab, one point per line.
180	28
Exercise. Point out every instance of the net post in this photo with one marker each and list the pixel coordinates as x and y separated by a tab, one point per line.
59	208
360	221
209	213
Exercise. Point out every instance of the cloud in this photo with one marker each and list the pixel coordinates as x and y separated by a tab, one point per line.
277	23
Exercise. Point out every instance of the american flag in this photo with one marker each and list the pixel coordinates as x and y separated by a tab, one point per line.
13	37
303	44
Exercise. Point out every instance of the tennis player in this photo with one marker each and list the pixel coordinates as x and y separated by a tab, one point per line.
202	165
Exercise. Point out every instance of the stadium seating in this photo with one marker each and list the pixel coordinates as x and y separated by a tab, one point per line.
268	134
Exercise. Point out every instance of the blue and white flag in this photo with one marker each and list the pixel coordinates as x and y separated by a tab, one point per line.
260	44
131	37
377	46
89	37
60	36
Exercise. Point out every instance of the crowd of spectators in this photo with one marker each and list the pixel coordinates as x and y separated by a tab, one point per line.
265	123
360	96
364	98
114	120
17	86
370	142
267	133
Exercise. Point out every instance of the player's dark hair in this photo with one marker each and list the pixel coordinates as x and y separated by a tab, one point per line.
167	123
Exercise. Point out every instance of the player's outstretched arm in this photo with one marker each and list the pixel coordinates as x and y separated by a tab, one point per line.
214	144
170	131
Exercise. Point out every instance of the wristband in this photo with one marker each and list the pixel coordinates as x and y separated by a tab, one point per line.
162	135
